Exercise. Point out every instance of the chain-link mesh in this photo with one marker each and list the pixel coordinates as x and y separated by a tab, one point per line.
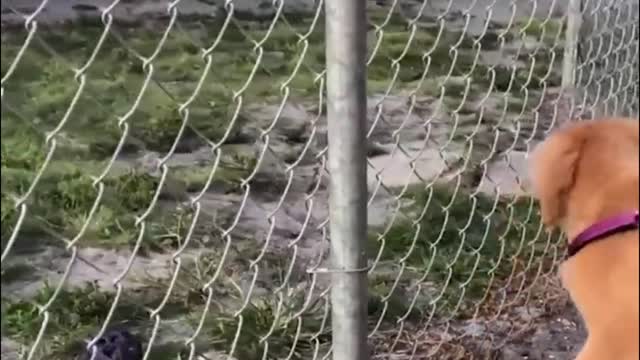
163	170
608	58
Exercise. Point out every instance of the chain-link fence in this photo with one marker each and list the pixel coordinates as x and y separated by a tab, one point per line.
607	58
165	169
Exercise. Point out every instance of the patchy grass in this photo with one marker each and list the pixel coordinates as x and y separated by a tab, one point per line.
288	336
455	268
546	31
76	314
42	87
398	52
456	248
223	330
61	203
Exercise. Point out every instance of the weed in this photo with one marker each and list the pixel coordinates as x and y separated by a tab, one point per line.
72	317
287	336
545	31
76	314
460	243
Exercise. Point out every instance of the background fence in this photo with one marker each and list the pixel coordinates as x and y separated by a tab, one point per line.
165	169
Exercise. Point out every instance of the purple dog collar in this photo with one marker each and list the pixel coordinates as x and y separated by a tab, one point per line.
602	229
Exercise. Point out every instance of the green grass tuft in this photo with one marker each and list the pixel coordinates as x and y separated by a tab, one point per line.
462	251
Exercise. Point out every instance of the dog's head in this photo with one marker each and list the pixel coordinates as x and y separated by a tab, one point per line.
589	150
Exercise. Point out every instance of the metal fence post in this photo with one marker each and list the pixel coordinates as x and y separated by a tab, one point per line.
346	117
572	37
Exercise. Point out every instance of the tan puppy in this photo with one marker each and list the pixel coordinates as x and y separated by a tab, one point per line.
585	176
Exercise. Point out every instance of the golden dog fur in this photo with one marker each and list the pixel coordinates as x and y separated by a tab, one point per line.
582	174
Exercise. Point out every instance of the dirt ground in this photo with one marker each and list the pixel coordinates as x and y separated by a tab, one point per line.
555	336
545	328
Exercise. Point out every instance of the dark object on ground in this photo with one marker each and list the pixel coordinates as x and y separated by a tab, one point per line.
116	344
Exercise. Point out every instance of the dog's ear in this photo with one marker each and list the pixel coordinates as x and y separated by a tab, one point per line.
553	168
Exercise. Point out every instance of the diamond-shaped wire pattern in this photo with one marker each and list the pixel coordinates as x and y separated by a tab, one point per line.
164	169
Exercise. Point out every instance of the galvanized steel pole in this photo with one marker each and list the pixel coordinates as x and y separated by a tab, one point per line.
346	117
572	36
